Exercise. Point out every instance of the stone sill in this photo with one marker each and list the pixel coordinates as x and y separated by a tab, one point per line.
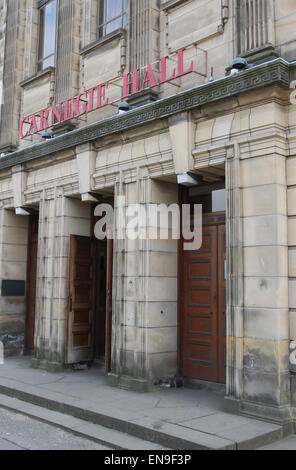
171	4
101	42
37	76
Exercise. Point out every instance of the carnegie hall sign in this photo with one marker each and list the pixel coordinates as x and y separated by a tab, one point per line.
97	97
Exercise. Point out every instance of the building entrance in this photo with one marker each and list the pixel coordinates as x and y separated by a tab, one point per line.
203	302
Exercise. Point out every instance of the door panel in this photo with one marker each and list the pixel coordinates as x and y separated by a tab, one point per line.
80	318
31	290
109	305
204	307
200	309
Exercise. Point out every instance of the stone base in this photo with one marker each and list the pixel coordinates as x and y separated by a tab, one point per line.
231	405
281	415
63	128
259	56
53	367
204	385
143	98
129	383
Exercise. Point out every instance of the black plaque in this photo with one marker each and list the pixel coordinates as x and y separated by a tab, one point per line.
13	288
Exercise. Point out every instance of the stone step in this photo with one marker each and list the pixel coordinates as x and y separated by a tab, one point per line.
111	438
218	431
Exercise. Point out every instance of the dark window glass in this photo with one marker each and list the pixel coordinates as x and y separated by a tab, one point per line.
212	197
112	16
47	35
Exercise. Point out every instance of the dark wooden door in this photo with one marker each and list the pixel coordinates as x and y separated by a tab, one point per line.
204	308
109	304
80	318
222	302
31	290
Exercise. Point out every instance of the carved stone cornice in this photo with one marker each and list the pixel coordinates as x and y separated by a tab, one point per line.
277	72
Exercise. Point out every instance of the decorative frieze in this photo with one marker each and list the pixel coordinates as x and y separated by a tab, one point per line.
272	73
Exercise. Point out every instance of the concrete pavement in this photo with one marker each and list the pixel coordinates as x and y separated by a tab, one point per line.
19	432
172	418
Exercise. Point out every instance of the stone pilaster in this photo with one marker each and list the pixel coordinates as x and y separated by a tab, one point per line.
145	296
68	59
3	17
13	73
258	326
235	284
59	218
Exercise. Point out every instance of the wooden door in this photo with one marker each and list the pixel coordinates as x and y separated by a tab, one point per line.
31	290
109	304
80	318
204	308
222	302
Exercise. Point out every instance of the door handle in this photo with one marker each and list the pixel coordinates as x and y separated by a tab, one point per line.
71	303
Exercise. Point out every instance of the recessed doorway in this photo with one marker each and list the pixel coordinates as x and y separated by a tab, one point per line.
202	293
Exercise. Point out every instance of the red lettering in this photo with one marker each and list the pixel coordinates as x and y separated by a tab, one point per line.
78	100
181	64
56	114
44	119
134	83
33	126
91	94
101	95
68	111
163	71
21	128
84	102
149	78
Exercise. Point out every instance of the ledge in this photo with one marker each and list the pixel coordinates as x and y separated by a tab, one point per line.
165	6
101	42
277	72
43	73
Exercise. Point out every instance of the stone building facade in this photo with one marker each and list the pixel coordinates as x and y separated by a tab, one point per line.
225	313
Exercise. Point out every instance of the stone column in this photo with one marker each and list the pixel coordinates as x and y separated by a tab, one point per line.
59	218
291	183
13	267
3	17
13	73
235	282
68	59
258	327
89	24
145	297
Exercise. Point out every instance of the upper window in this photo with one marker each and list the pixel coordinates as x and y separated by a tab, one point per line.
47	34
112	16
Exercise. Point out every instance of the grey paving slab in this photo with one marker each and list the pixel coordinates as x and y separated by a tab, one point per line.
247	433
170	417
123	441
289	443
105	436
192	439
7	445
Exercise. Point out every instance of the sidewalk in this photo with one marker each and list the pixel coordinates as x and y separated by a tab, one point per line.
172	418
